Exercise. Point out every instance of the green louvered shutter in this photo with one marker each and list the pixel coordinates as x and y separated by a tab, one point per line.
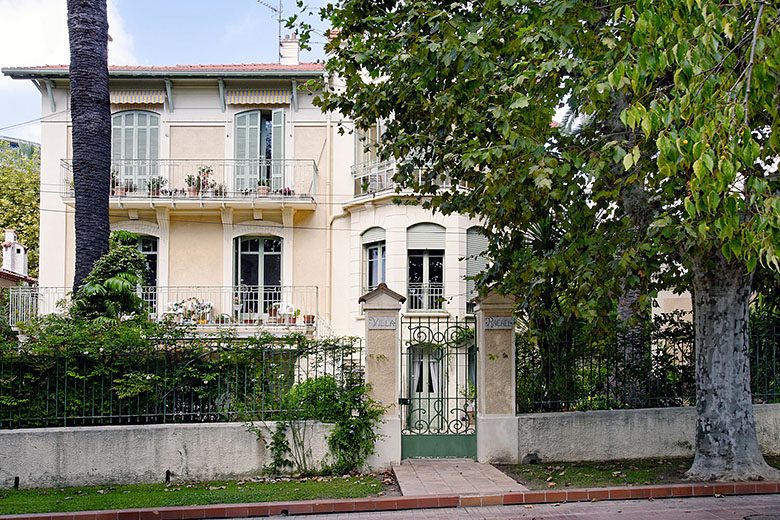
476	245
277	151
247	139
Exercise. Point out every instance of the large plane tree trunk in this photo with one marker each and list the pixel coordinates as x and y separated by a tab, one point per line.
91	116
726	443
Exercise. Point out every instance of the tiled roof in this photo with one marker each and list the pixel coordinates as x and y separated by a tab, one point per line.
16	277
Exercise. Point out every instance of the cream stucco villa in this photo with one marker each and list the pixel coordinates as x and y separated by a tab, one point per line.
253	209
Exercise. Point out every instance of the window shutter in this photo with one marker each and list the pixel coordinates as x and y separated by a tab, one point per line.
277	149
116	138
476	245
425	236
374	234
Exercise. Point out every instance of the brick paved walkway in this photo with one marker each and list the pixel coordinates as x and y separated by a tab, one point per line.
452	477
756	507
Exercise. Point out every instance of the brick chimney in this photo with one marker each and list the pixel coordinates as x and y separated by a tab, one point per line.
289	50
14	254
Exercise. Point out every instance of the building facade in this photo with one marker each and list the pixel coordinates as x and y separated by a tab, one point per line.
251	206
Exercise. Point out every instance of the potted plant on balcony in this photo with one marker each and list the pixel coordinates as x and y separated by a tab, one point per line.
262	188
155	184
220	190
285	192
129	187
308	319
193	185
115	183
292	319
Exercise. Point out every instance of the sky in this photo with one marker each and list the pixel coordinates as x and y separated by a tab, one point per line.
144	32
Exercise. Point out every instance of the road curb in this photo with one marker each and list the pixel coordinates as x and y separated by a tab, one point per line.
347	505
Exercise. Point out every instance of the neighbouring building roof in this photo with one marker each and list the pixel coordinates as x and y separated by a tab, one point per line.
216	70
14	277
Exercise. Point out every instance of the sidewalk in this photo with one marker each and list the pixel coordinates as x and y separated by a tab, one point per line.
452	477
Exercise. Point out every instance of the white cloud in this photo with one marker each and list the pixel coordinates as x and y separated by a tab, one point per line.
35	32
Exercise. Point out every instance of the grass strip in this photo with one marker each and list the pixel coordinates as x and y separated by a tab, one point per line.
556	475
184	494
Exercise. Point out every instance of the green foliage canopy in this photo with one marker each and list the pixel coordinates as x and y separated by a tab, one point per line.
20	198
675	107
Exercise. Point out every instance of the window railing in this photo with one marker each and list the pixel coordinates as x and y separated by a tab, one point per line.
425	296
376	176
218	306
206	178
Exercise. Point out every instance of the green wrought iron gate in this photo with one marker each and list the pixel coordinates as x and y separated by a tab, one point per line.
438	381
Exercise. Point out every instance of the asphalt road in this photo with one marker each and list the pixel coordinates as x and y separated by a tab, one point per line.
750	507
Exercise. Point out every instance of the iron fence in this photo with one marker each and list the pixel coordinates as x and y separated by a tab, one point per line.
573	371
187	380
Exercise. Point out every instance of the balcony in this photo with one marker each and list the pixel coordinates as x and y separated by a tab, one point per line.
214	182
425	297
377	176
373	177
244	308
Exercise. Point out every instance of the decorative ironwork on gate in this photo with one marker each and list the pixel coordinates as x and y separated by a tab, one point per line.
438	380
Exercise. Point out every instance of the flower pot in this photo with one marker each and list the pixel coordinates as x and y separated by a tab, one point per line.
120	191
154	192
263	191
192	191
308	319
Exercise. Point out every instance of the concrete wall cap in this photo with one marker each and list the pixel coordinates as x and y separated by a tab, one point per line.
494	300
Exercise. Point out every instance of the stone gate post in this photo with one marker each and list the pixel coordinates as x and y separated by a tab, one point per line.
382	308
497	426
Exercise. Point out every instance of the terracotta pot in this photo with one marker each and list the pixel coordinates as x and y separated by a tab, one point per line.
263	191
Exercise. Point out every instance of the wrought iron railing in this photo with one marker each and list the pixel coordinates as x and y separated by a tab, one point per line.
438	376
377	176
425	297
217	306
175	380
373	177
582	371
284	179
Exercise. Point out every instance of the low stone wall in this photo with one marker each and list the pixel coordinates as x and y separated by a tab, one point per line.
627	434
54	457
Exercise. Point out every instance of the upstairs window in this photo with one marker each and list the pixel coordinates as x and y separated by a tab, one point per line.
259	149
135	147
425	267
374	255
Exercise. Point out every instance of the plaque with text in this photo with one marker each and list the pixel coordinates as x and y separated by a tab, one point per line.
499	323
382	322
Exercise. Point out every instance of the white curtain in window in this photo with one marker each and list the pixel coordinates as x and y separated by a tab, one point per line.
433	366
416	374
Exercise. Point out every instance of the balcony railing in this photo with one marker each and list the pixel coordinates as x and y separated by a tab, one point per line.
373	177
376	176
425	297
207	178
216	306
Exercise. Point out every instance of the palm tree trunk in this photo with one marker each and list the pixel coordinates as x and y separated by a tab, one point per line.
91	117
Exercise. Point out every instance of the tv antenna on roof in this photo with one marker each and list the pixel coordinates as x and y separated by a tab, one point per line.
278	11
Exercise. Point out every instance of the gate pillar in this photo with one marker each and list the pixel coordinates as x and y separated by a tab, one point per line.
381	308
497	426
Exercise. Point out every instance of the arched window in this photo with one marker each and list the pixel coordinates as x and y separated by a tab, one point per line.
135	146
257	272
373	241
425	245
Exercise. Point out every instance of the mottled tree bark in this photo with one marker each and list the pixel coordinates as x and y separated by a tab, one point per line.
91	117
726	443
